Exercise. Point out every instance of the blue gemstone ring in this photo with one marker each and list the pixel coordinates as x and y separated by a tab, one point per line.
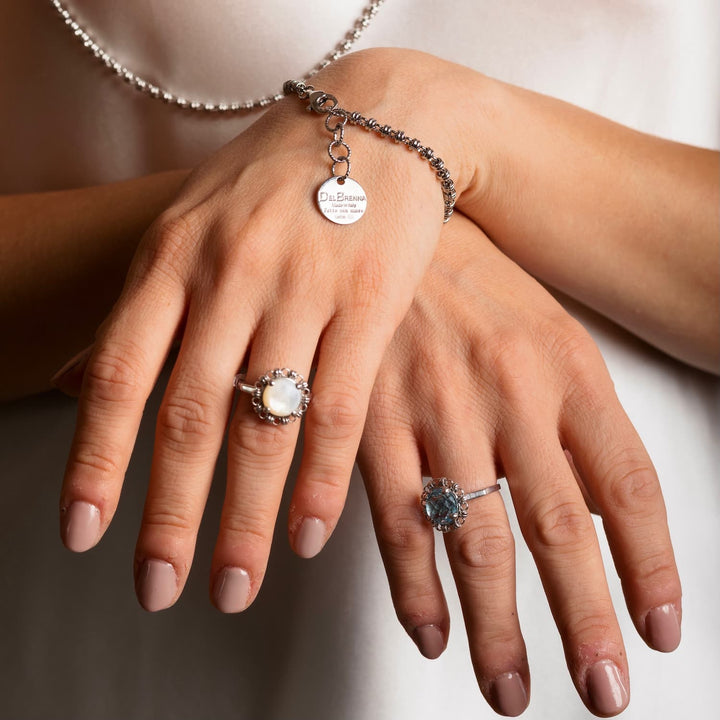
445	505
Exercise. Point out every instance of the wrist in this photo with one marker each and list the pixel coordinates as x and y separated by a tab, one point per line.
424	97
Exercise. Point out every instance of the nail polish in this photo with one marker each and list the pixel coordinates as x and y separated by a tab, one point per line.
662	628
231	591
509	694
606	688
430	641
156	585
310	537
80	526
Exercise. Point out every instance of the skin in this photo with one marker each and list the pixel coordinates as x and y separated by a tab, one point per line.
226	266
57	251
457	363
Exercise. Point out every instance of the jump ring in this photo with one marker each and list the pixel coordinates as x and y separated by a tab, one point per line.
338	158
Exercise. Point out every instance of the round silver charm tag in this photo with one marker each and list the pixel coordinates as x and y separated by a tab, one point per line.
342	201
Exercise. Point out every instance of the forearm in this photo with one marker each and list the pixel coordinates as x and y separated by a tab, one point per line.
63	259
625	222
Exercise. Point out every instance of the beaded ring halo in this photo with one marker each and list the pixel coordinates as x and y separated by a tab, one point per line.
279	397
445	504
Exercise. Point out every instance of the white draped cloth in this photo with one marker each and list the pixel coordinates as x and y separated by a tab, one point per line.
322	640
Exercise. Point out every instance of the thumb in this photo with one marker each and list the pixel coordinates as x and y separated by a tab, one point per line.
68	378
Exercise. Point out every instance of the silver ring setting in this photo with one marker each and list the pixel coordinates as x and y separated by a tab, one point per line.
279	397
445	504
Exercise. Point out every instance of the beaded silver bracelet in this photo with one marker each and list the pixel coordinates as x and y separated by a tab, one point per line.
340	198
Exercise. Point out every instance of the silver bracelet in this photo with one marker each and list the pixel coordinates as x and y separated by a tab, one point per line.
340	198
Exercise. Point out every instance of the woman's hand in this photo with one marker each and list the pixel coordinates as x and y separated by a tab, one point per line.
243	266
486	377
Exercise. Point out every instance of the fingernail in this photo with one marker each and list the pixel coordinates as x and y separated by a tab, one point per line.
509	694
662	628
606	689
310	537
430	641
156	585
69	377
232	588
80	526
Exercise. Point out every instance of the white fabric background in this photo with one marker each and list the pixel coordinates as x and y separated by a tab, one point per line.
322	640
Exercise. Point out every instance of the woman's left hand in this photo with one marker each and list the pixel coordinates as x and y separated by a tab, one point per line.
488	376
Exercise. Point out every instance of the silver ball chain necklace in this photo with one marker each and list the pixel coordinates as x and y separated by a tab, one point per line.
159	93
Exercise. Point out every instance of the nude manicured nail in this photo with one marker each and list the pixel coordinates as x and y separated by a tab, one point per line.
606	688
430	641
662	628
156	585
310	537
80	526
232	589
509	694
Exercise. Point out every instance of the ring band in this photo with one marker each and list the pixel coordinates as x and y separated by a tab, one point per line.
445	505
279	397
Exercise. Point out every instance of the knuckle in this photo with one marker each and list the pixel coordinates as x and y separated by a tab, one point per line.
337	416
632	484
573	352
244	252
486	547
253	439
512	362
174	520
249	538
559	524
96	459
173	239
326	481
187	418
585	627
401	535
114	375
655	571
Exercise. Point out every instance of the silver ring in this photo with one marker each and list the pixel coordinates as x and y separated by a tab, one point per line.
445	505
279	397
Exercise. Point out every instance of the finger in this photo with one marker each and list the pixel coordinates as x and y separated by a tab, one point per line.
68	378
482	558
189	432
259	458
391	468
591	505
558	529
347	364
125	362
621	480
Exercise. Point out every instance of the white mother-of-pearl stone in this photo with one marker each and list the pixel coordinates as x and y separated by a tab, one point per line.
281	398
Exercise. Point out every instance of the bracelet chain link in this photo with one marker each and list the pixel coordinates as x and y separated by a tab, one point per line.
324	103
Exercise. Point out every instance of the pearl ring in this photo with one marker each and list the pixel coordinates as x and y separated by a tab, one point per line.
279	397
446	505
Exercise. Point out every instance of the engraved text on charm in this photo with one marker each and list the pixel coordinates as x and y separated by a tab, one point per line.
342	200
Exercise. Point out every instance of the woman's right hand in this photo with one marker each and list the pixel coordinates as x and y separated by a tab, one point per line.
244	271
486	377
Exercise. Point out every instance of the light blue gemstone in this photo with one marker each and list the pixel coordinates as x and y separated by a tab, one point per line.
441	507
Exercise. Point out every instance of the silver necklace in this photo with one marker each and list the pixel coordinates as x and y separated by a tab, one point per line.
159	93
